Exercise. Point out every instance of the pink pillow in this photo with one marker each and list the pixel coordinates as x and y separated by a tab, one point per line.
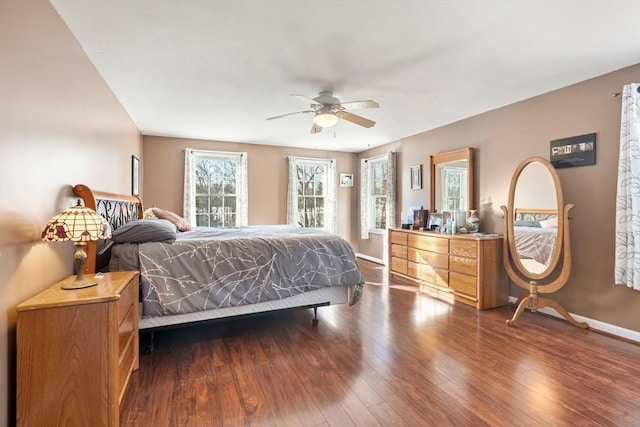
550	223
180	223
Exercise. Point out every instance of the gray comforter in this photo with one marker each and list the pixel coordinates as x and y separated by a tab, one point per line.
536	243
210	268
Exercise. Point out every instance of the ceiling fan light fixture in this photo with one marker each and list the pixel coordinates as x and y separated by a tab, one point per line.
325	120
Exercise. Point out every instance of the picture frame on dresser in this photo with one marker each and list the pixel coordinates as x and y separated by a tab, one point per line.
435	220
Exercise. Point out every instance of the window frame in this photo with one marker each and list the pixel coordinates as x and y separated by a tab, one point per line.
191	168
302	163
372	197
329	193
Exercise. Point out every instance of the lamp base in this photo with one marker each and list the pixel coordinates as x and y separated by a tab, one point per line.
80	283
80	257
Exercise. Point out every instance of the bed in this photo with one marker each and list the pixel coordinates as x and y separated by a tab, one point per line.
535	232
206	274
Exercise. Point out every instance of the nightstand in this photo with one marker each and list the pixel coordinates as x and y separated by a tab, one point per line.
76	352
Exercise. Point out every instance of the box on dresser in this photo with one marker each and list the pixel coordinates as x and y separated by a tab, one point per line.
76	350
466	266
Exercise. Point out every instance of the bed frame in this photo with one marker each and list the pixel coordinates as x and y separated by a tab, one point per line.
119	209
534	214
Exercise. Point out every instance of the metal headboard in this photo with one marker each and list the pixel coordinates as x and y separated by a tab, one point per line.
117	209
534	214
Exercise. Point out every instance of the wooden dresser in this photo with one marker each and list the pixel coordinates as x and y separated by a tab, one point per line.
76	352
468	267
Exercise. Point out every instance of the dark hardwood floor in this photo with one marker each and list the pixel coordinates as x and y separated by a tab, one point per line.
398	358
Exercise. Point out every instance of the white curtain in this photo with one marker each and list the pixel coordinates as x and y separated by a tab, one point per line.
242	217
331	203
331	196
391	190
189	196
365	206
365	196
627	262
293	218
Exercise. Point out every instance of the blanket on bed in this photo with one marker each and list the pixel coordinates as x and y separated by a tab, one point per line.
536	243
210	268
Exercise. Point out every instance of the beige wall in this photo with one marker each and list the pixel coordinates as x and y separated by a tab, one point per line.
59	125
267	174
501	139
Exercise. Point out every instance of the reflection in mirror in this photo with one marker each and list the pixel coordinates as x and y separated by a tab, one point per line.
536	218
452	181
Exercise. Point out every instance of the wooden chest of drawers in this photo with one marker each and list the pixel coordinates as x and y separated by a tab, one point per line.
468	267
76	352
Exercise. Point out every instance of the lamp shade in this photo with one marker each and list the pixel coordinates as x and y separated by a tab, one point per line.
325	120
77	223
80	225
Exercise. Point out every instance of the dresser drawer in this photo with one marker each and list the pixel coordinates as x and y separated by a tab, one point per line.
399	265
463	284
434	259
429	243
399	251
126	330
463	265
399	237
428	273
125	367
466	248
126	301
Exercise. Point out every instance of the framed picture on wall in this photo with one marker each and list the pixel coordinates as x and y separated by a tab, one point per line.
346	180
416	177
135	176
574	151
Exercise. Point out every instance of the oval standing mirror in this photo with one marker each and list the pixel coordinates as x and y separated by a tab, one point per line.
537	236
451	181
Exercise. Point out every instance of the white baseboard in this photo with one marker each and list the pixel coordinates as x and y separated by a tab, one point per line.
370	258
593	324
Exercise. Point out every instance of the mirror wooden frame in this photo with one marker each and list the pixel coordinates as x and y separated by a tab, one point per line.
451	156
558	249
545	282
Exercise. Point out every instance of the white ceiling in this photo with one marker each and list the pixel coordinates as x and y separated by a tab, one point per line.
217	69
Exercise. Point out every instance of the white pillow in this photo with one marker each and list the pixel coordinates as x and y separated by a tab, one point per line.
550	223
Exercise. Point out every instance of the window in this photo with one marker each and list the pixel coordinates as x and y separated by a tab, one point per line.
378	175
377	194
312	193
453	197
215	188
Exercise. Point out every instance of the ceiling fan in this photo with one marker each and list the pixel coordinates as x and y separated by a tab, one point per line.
327	109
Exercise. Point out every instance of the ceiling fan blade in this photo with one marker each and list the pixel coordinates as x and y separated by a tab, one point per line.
359	104
358	120
289	114
306	99
315	128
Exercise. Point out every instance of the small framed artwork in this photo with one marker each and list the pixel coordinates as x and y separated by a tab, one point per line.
435	220
574	151
412	210
135	176
416	177
346	180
